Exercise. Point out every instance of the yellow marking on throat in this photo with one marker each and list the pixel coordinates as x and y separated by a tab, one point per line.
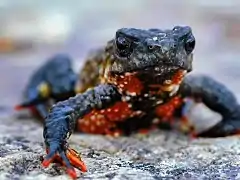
44	89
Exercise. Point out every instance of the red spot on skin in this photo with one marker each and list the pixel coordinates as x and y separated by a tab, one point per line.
103	121
166	110
128	82
178	77
119	112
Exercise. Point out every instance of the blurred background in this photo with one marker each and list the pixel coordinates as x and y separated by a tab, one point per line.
32	31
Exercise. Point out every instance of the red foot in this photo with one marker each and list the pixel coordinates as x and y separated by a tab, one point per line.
19	107
187	127
72	173
74	159
46	163
193	135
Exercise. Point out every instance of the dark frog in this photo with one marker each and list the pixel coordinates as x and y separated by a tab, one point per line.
138	81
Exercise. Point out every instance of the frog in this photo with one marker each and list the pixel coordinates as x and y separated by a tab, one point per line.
138	81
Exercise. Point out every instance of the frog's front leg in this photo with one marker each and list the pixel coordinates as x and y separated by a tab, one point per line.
218	98
54	80
62	120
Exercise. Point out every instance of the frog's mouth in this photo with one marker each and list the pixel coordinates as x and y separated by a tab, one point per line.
168	78
164	75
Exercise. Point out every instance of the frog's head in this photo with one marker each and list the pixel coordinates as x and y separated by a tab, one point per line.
157	55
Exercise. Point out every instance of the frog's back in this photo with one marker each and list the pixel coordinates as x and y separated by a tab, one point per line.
93	70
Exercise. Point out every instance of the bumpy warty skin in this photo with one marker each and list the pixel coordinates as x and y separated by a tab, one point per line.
150	48
142	71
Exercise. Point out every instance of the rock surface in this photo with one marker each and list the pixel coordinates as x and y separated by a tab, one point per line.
159	155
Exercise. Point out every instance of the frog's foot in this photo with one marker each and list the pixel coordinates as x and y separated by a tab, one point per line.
69	159
187	128
222	129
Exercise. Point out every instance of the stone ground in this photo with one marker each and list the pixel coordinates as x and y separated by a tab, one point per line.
160	155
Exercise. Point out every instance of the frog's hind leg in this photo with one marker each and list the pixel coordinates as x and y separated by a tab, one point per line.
218	98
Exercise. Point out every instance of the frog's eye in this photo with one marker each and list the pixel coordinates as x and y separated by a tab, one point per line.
190	44
122	43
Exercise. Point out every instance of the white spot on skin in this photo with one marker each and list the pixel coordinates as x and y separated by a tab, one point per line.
121	90
132	93
116	134
102	111
98	123
123	116
124	99
155	121
129	105
116	110
174	91
108	110
86	123
99	116
159	102
93	117
128	98
92	128
138	112
125	82
168	82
